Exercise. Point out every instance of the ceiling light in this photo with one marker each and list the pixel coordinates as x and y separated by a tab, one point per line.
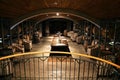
55	3
57	14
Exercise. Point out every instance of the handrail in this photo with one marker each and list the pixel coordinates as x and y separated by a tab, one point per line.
73	53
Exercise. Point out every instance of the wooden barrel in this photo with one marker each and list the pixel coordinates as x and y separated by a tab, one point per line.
87	29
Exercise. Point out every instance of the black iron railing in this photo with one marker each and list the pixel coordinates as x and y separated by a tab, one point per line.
28	66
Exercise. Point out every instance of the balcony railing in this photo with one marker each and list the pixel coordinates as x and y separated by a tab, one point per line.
27	66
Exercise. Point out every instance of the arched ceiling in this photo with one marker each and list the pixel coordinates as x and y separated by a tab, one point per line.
91	10
53	11
99	9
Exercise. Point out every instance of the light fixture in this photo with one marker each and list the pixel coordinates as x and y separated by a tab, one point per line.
67	14
57	14
55	3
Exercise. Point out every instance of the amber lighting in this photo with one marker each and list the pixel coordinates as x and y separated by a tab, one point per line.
57	14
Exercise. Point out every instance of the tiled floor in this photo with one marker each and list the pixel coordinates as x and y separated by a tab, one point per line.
54	68
36	67
45	45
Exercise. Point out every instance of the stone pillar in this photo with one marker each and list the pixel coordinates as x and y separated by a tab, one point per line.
47	31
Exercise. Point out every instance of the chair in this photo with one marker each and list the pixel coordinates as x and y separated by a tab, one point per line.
69	33
27	45
74	36
18	46
79	39
93	48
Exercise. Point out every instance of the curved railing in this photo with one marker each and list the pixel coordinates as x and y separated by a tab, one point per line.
37	66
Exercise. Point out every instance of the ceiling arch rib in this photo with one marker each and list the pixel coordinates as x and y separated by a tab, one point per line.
49	17
54	10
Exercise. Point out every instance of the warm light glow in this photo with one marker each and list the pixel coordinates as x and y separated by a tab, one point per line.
57	14
67	14
55	3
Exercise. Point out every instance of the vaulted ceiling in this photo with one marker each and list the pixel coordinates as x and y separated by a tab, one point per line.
99	9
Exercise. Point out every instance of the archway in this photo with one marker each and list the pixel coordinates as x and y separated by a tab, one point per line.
54	10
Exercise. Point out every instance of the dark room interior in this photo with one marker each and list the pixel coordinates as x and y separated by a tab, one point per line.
59	40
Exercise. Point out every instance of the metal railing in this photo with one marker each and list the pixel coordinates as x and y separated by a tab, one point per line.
28	66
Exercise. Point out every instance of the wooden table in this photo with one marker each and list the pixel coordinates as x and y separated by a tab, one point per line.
59	44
